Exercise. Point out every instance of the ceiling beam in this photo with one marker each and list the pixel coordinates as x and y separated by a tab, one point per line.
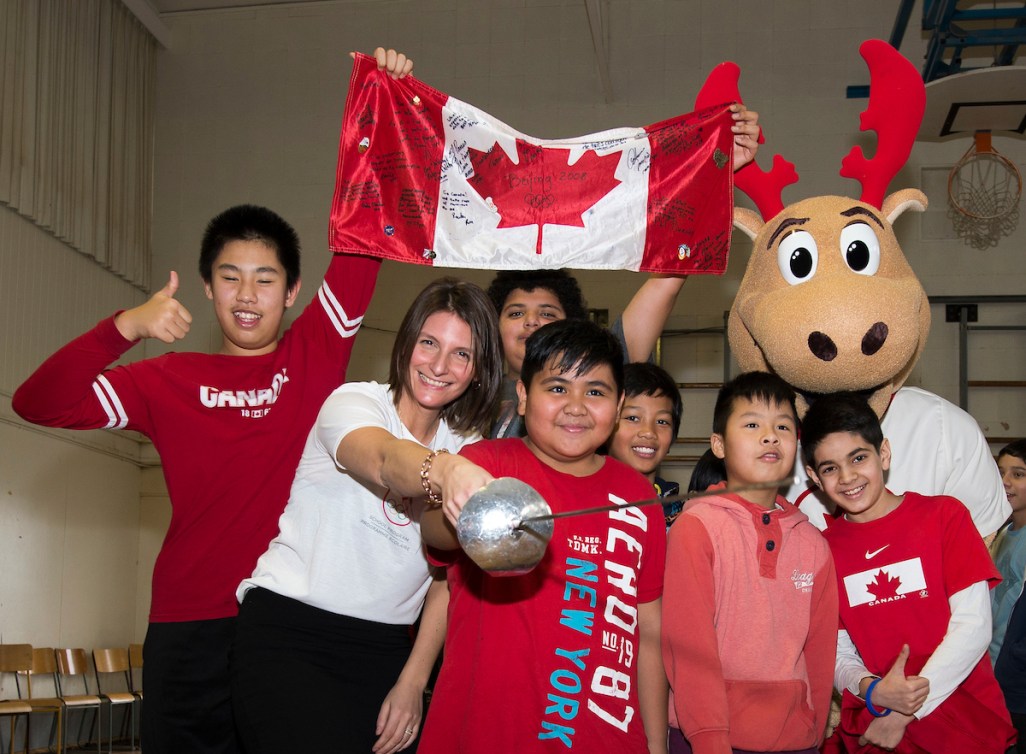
149	18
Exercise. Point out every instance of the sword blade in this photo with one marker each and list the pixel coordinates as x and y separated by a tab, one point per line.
685	496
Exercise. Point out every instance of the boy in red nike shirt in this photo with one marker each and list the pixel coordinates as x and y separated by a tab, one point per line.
913	576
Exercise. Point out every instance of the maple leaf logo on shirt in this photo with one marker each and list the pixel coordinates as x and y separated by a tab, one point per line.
901	578
884	586
543	187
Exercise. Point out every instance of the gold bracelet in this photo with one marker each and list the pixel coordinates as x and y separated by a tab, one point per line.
425	476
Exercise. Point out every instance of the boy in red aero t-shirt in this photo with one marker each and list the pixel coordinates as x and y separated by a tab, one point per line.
567	655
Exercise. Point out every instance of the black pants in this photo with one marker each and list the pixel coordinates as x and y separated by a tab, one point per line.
305	679
1019	721
187	686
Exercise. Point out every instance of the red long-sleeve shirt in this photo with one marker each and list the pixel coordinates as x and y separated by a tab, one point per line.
229	430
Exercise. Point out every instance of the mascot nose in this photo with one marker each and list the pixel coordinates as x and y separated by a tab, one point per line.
874	338
824	348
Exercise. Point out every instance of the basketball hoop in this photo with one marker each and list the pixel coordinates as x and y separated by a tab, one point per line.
984	188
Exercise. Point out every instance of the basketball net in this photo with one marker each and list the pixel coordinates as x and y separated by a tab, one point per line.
984	188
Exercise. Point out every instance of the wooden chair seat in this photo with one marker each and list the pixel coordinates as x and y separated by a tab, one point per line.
113	666
14	659
135	666
120	697
73	669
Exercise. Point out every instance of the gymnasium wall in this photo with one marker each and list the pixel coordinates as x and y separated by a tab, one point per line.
248	109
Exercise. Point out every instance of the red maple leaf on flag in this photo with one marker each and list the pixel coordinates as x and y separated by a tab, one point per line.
543	187
884	585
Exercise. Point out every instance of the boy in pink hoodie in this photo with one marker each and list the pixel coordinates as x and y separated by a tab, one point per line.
750	625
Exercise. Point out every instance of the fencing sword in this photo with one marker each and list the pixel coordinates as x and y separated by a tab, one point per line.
506	526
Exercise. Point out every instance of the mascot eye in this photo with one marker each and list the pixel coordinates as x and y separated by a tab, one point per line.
861	249
797	256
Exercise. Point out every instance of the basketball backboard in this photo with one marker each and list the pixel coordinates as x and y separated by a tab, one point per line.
985	99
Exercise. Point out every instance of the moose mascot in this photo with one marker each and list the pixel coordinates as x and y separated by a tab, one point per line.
830	303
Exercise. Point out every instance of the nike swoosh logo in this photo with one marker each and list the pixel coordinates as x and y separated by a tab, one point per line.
874	553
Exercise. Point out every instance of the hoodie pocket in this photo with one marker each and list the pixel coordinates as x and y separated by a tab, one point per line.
770	715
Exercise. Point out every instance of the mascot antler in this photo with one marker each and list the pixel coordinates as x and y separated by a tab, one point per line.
897	100
765	189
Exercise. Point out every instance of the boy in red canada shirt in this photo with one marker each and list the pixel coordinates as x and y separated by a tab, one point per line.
913	576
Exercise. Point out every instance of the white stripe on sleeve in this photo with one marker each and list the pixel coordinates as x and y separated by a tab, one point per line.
117	417
346	327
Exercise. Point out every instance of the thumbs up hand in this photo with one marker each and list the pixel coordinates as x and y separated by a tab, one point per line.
899	692
162	317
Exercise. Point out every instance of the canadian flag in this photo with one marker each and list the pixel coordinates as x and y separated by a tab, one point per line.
884	582
423	177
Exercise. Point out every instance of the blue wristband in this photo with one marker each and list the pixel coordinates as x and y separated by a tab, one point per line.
869	704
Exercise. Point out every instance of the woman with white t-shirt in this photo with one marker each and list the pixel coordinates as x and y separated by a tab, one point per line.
323	656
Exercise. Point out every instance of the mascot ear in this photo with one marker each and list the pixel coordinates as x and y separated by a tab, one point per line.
896	204
742	344
747	221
